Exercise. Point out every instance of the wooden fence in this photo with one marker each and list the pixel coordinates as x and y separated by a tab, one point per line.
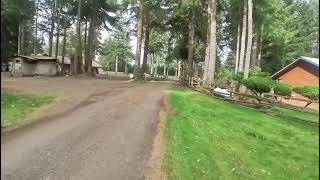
265	98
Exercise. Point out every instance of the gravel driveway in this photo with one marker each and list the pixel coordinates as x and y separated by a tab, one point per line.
101	130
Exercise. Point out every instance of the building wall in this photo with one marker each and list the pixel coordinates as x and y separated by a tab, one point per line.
298	77
28	68
46	68
16	69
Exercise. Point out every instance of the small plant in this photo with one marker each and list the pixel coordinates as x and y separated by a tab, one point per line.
311	92
282	89
258	85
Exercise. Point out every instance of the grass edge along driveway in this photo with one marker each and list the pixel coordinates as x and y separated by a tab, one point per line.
18	108
207	138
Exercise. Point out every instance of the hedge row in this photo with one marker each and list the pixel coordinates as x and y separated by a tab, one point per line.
311	92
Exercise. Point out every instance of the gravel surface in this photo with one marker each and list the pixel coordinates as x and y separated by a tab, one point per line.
101	130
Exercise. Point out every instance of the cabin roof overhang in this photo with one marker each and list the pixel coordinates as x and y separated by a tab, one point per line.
311	62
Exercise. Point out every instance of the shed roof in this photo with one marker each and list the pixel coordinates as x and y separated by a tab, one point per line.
68	61
315	61
96	64
312	61
59	59
37	57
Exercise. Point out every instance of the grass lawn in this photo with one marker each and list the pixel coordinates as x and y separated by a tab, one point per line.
297	114
207	138
16	108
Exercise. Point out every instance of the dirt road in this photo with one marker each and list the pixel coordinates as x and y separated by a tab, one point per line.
108	136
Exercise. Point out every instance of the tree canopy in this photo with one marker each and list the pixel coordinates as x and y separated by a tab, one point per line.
177	32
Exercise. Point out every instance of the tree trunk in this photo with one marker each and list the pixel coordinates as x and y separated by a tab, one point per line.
185	69
91	42
260	47
207	53
176	71
139	39
116	69
64	47
243	37
249	41
156	69
22	39
78	56
213	42
190	47
85	46
95	41
142	50
35	30
254	52
52	27
126	68
179	68
238	50
146	44
58	31
151	63
19	39
72	64
164	70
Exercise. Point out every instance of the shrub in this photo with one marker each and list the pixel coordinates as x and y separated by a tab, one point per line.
237	77
282	89
311	92
256	72
258	85
224	73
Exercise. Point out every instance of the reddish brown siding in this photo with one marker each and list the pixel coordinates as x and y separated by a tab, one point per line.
298	77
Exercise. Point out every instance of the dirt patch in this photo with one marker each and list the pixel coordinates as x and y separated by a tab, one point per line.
156	165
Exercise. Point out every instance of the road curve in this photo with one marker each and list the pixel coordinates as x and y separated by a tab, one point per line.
109	137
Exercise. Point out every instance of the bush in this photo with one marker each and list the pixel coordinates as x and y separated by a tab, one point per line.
256	72
311	92
224	73
258	85
282	89
237	77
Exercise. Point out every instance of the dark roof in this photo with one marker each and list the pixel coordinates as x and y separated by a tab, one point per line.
311	64
37	57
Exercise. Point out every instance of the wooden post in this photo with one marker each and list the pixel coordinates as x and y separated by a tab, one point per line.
116	65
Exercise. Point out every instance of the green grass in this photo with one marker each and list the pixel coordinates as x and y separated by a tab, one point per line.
15	108
290	113
207	138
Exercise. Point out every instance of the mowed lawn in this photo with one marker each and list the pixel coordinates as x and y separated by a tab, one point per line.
207	138
16	108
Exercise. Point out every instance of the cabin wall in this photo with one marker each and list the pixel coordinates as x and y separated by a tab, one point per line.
16	67
298	77
46	68
27	68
